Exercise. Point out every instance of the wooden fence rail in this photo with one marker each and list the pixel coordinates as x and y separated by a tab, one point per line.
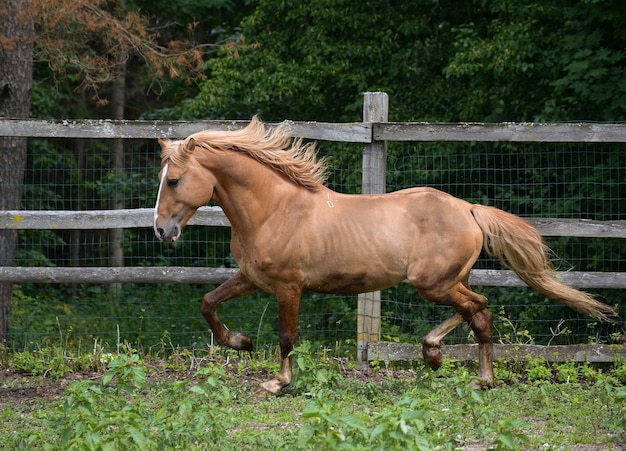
373	132
109	129
214	216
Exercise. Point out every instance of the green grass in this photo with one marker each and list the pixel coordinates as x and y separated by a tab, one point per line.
197	400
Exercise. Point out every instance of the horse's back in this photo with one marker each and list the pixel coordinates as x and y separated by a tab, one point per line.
375	241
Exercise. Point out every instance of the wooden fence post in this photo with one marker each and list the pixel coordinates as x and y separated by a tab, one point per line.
375	109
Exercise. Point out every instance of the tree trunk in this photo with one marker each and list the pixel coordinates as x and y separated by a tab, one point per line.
16	79
116	236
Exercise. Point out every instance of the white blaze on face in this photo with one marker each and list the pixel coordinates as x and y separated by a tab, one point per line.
156	206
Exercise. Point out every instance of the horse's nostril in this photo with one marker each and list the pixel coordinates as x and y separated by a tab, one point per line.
160	232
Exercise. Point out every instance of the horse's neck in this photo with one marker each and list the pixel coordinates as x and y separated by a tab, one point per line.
248	191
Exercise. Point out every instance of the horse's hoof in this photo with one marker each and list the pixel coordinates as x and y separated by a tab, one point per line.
479	384
261	392
432	357
240	342
269	388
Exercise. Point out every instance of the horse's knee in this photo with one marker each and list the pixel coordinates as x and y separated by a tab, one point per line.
207	306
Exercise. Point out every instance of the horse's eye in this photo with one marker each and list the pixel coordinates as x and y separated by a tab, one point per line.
172	183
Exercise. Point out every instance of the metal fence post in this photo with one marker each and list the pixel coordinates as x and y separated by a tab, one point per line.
375	109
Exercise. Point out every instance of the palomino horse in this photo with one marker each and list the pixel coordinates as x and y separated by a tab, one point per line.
291	233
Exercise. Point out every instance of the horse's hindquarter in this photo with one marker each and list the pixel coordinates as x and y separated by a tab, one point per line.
450	240
346	244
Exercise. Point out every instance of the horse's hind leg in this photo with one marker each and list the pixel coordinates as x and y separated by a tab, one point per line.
237	285
482	324
470	307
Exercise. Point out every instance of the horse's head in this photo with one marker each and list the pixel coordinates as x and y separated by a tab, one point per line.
184	187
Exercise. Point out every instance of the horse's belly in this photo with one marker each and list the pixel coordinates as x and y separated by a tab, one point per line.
338	282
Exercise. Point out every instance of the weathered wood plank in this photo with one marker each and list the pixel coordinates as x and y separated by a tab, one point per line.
594	280
213	216
517	132
577	279
138	274
357	132
385	351
100	219
346	132
109	129
579	227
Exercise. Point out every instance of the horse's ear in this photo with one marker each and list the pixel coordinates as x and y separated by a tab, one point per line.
191	145
162	143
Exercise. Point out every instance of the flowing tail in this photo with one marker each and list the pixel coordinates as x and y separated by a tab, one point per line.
519	246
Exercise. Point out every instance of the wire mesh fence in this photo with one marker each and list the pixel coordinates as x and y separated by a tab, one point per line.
528	179
552	180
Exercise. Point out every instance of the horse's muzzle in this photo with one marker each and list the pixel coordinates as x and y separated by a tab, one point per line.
168	235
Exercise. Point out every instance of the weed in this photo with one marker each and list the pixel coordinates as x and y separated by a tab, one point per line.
312	374
538	371
620	423
328	429
567	372
128	371
27	362
588	372
619	370
509	434
213	409
472	401
406	425
504	372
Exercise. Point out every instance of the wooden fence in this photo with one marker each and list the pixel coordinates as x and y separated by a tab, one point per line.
373	133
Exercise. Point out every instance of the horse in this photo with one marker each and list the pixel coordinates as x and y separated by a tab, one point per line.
291	233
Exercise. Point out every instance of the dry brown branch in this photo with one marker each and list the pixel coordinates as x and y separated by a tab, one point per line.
88	41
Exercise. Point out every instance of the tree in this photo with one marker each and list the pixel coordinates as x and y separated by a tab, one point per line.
442	60
542	61
88	42
16	66
94	42
313	61
91	41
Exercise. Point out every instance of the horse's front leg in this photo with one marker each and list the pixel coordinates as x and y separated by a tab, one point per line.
431	343
288	297
237	285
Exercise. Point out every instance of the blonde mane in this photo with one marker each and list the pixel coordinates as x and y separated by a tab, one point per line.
272	147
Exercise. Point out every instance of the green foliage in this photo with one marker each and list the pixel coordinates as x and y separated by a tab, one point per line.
405	425
509	434
412	423
619	370
591	80
313	61
51	361
128	372
538	371
312	375
99	416
619	399
541	61
567	372
211	409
